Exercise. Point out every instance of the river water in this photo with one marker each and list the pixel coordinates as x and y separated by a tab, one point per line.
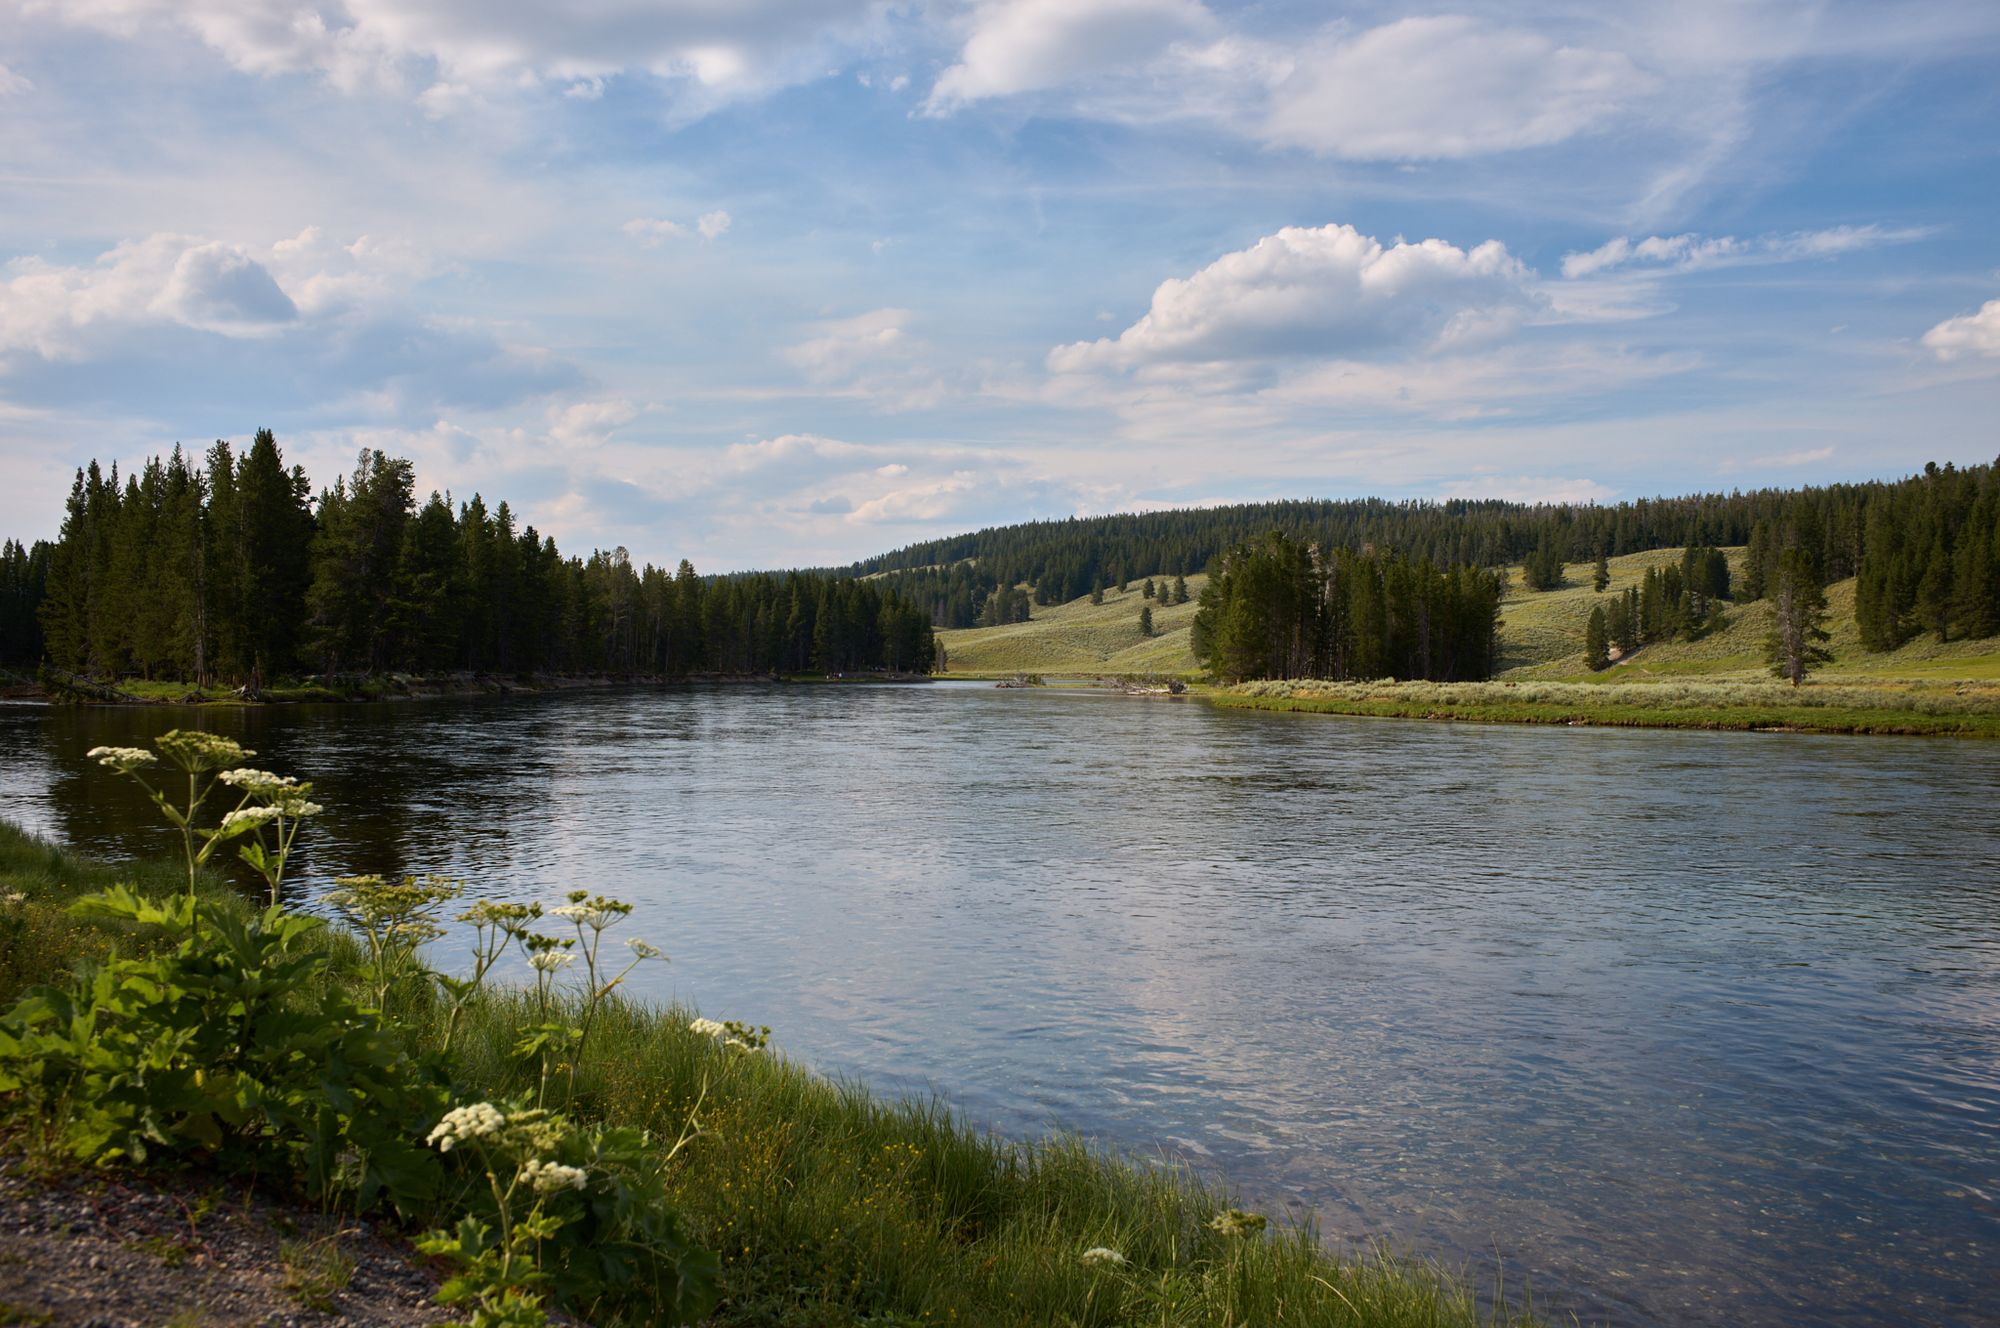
1677	1028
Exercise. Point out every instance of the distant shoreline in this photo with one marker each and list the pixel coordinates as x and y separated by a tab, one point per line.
359	689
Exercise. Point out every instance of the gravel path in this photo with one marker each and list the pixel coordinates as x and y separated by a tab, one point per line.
122	1252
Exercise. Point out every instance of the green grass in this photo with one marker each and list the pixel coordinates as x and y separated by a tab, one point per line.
1961	710
834	1207
1541	640
1081	637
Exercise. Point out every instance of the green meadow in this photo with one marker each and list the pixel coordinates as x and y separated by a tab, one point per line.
1716	681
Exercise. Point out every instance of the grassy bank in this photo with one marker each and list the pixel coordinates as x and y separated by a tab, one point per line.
831	1206
1957	710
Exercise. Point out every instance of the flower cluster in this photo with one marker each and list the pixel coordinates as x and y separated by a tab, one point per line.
736	1036
708	1027
122	759
590	912
259	783
550	961
645	950
1101	1257
549	1177
464	1123
197	751
1236	1222
248	818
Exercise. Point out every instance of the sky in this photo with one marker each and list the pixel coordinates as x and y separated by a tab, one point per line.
767	283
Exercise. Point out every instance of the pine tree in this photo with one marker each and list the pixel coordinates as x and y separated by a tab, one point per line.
1097	594
1597	641
1600	575
1147	589
1180	589
1795	644
1146	620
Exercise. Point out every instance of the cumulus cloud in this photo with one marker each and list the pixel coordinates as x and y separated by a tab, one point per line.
874	356
1445	87
713	225
163	279
931	501
1019	46
1683	253
744	46
1968	334
1328	292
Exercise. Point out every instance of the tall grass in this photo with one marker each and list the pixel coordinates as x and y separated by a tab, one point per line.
1963	709
831	1206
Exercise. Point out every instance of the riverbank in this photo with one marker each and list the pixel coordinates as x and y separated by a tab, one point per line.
832	1206
63	689
1937	709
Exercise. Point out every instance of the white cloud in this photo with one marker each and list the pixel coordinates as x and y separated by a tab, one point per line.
1447	86
164	279
872	356
1330	291
931	501
1968	334
1417	88
742	46
1685	253
713	225
650	231
1017	46
13	84
588	423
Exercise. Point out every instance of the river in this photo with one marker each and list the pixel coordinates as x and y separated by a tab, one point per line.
1675	1028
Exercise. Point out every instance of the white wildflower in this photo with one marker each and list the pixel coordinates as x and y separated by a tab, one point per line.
248	818
15	897
551	961
297	808
1101	1257
260	782
643	950
583	915
737	1044
197	751
548	1177
708	1027
463	1123
122	759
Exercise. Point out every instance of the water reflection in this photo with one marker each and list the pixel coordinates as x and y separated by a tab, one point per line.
1691	1028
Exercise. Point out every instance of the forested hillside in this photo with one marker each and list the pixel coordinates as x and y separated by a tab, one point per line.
233	569
1926	547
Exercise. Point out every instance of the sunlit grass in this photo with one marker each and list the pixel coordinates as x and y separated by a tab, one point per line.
1081	637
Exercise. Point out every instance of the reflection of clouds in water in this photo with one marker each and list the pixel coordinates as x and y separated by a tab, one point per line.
1657	1016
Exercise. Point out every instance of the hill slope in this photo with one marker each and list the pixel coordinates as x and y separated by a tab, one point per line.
1081	637
1541	638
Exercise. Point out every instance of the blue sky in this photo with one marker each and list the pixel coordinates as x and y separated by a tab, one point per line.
781	282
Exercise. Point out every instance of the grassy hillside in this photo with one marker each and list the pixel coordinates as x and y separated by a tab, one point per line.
1541	638
1081	637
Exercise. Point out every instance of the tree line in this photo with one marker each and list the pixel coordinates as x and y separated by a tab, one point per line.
1278	608
1927	547
232	569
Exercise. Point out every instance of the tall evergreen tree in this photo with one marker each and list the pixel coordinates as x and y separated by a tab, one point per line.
1796	643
